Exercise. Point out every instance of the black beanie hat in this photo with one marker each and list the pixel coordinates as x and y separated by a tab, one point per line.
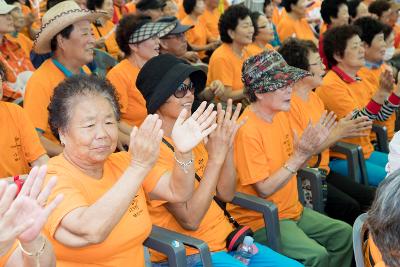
159	78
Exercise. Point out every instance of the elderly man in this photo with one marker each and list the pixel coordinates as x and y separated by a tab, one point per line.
65	32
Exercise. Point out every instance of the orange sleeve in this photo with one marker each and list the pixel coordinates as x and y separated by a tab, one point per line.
250	159
285	29
121	86
221	70
190	36
30	141
36	101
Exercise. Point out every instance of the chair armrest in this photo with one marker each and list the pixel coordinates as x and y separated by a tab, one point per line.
381	137
315	179
178	238
269	212
351	152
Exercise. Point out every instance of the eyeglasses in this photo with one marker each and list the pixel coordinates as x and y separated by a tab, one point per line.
183	88
174	35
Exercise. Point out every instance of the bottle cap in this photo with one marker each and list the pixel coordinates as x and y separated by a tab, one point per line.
248	240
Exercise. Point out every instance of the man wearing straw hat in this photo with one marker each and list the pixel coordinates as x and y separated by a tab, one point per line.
65	32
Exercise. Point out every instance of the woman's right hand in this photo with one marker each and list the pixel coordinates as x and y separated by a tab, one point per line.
348	127
189	132
145	142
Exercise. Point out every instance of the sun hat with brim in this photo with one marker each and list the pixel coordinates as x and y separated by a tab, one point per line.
149	30
6	8
58	18
159	78
179	28
268	72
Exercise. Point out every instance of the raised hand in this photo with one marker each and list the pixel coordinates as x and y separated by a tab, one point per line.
145	142
189	132
386	82
348	127
217	87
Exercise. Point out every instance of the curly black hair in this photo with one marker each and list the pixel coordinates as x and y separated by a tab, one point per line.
369	28
230	20
330	9
378	7
126	27
287	4
387	30
93	4
266	3
70	91
296	52
335	42
353	5
189	5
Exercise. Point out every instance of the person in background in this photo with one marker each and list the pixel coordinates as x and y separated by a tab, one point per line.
23	215
382	10
357	9
170	9
151	8
210	17
263	34
269	8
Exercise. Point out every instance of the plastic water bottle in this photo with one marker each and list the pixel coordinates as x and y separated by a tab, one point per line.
245	250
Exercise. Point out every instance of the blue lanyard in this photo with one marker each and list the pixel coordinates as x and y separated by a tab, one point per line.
63	69
372	65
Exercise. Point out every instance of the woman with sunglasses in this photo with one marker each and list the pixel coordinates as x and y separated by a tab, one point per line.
168	84
138	37
263	34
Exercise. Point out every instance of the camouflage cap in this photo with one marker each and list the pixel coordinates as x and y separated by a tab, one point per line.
268	71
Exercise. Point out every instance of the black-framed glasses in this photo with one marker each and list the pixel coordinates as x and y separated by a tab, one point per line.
180	35
183	88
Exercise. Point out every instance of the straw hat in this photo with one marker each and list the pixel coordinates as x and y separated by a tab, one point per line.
58	18
6	8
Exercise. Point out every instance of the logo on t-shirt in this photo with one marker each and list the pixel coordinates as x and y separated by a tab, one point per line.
135	209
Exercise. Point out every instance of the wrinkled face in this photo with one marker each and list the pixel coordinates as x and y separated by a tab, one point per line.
147	49
243	34
278	100
376	51
18	17
175	44
79	46
316	68
300	8
170	9
92	132
269	9
362	11
6	24
354	54
173	106
199	7
385	17
342	16
393	17
265	30
108	7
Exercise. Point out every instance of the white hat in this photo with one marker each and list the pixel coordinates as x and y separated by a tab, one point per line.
6	8
58	18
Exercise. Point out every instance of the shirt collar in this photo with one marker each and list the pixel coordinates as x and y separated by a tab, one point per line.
373	65
63	69
344	76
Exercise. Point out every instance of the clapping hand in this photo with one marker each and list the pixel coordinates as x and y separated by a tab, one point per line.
189	132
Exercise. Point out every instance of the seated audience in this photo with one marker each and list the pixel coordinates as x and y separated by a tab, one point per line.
210	17
151	8
269	11
200	216
267	158
105	193
199	37
138	38
375	47
23	215
381	9
278	12
66	33
236	30
346	199
294	23
170	9
263	34
103	28
357	9
344	90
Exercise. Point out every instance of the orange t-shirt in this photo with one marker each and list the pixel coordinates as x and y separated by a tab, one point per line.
372	76
124	245
253	49
257	158
211	19
111	45
129	8
19	141
25	43
344	97
277	14
198	35
300	113
372	250
214	227
39	90
226	66
133	105
289	27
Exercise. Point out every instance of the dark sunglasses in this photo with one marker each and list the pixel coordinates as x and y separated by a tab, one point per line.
183	88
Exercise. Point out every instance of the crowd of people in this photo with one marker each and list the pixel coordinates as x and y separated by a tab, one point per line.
206	98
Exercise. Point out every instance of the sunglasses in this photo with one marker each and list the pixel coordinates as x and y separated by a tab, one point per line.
183	88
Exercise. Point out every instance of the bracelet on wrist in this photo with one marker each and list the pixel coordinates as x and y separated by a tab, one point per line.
184	165
289	169
34	254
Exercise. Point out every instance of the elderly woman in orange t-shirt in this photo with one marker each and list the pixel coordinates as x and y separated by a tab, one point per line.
264	33
104	219
138	38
